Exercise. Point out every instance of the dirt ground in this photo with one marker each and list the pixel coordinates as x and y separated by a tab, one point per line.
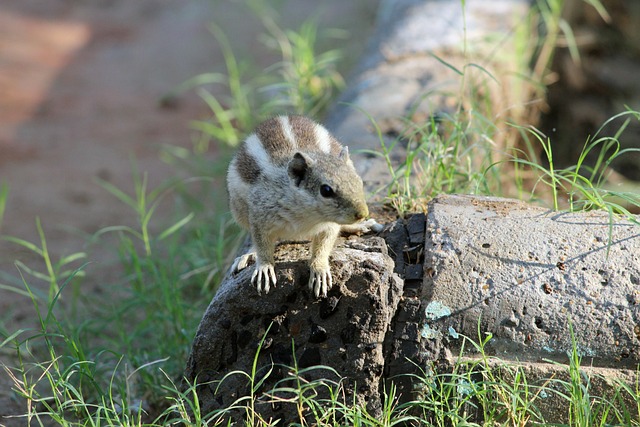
80	84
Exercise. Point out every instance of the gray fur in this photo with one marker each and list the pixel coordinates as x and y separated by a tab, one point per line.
274	185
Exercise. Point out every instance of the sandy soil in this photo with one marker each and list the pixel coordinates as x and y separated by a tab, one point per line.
80	84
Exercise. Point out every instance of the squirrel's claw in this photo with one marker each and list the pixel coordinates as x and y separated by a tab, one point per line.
243	261
371	225
320	281
362	227
263	277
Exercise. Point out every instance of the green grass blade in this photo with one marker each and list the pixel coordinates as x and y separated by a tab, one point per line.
12	337
446	64
24	243
119	194
177	226
14	289
4	195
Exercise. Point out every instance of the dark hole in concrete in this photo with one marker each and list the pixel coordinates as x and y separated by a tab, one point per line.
539	322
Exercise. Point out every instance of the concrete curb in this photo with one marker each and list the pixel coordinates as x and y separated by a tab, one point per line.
526	274
540	282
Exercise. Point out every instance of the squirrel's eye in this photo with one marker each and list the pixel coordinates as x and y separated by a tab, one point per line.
326	191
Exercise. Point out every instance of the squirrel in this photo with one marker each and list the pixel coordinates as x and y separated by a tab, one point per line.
291	180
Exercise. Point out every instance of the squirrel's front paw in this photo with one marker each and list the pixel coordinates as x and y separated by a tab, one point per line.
263	277
320	281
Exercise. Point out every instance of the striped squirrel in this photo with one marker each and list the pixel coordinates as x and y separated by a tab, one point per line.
293	180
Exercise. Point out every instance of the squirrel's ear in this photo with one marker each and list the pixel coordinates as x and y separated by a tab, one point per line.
299	166
344	154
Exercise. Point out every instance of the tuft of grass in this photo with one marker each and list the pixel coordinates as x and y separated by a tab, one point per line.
481	390
235	113
450	153
583	186
145	204
308	80
478	147
304	81
55	271
585	409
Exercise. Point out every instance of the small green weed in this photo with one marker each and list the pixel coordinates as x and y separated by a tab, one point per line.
55	271
585	409
237	112
481	390
441	156
477	148
309	79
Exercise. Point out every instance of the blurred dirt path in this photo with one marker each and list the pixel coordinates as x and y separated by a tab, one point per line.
80	85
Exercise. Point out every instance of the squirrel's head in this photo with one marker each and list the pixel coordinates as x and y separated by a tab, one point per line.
333	183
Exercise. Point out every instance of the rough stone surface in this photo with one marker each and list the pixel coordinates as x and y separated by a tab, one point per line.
405	242
346	331
526	274
529	276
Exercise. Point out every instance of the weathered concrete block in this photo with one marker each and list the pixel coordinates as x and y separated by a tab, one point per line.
345	331
529	276
525	274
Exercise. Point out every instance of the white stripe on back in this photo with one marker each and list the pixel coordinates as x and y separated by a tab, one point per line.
260	155
235	181
323	138
288	131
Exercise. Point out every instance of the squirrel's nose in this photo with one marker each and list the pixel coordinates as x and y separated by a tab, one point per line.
362	212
